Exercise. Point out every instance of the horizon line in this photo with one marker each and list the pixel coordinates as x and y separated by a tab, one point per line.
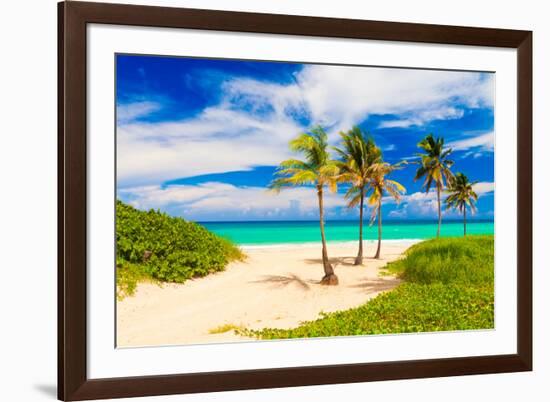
411	220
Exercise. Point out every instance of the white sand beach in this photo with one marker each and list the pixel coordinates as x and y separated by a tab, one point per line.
275	287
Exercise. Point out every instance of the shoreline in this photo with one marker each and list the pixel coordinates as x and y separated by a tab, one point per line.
271	288
330	243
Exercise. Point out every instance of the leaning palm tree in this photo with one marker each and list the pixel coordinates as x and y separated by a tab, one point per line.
317	169
435	167
462	195
357	155
379	186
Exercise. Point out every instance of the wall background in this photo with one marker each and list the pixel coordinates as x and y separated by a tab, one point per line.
28	198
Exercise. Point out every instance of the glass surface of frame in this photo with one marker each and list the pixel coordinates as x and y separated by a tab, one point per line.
91	366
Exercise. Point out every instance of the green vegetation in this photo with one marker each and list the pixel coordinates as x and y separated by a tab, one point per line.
448	286
466	261
409	308
155	246
128	275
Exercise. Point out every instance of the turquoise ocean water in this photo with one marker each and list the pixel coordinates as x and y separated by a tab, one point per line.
292	232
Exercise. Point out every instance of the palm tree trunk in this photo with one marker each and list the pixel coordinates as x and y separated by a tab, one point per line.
330	278
359	258
379	229
464	221
438	210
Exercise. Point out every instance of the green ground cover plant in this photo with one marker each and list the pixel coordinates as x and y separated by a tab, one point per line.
448	285
152	245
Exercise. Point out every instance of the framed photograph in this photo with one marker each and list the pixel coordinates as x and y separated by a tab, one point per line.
254	201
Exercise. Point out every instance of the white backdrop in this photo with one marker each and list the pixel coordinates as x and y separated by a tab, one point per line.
28	199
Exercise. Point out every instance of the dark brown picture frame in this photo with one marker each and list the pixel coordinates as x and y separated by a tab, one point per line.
73	17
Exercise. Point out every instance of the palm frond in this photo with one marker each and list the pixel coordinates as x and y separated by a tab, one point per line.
316	167
354	200
461	193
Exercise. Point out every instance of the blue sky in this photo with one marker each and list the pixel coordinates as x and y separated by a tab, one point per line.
201	138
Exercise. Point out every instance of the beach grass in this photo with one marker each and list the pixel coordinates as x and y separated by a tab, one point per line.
127	278
448	285
460	260
224	328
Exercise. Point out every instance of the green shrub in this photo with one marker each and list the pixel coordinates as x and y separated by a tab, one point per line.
151	244
448	286
467	260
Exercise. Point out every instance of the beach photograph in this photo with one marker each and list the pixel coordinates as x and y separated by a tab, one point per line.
270	200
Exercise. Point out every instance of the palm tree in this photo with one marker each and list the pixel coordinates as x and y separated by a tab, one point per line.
357	156
379	186
435	167
462	195
317	169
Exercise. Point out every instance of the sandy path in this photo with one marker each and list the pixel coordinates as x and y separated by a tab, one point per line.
274	287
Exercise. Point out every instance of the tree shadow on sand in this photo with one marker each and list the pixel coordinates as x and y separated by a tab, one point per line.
337	261
281	281
343	261
377	285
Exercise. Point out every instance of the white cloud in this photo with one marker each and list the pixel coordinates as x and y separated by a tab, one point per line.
398	213
483	188
216	200
424	204
282	99
217	140
482	142
343	96
254	120
131	111
338	97
423	117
